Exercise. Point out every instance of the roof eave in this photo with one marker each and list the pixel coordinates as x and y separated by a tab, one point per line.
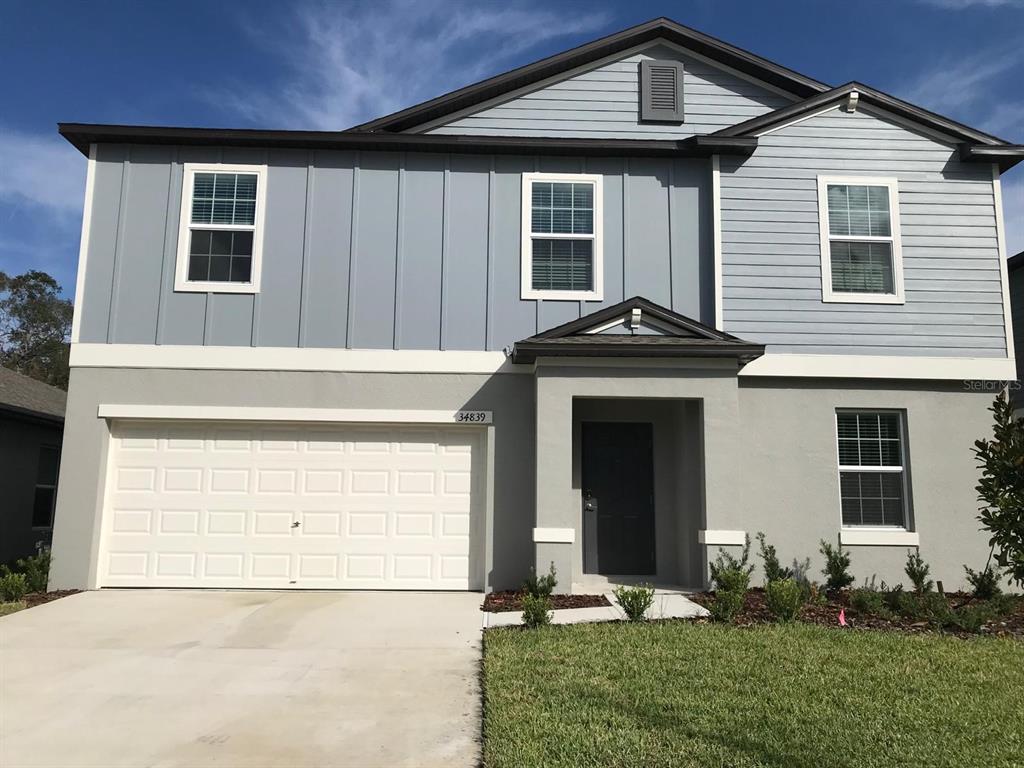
1005	156
81	135
527	352
660	28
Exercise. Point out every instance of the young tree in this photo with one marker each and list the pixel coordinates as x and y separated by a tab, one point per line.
35	324
1001	488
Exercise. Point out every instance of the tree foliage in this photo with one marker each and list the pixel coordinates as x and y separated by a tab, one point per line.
1001	488
35	325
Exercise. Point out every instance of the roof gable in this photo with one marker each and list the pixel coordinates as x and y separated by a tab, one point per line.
589	53
634	328
22	394
603	100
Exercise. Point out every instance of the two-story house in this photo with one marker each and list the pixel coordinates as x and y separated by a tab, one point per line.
611	310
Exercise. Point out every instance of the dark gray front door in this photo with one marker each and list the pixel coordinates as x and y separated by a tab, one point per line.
618	497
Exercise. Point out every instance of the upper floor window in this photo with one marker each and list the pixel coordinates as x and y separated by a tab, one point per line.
872	474
861	258
562	243
221	232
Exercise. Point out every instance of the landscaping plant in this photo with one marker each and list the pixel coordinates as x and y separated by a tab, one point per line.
783	598
773	570
837	566
36	570
536	610
730	576
541	586
1001	488
635	601
984	583
917	571
869	600
13	587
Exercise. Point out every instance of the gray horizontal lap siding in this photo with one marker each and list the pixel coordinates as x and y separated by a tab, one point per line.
381	250
604	103
771	266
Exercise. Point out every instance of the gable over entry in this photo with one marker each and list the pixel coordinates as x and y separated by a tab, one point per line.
635	328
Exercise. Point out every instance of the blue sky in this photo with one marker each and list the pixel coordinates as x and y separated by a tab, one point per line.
259	63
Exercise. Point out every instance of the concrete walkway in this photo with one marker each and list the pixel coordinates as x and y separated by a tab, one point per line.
668	604
239	679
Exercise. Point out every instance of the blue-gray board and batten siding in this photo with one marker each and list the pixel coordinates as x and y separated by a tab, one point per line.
377	250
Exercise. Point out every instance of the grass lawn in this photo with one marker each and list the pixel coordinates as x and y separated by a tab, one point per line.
679	694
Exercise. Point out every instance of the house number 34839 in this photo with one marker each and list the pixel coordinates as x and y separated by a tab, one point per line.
473	417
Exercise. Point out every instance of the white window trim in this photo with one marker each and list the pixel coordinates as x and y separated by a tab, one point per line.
865	468
181	281
827	294
526	253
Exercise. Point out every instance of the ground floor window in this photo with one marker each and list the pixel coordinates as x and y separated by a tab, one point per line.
46	486
872	476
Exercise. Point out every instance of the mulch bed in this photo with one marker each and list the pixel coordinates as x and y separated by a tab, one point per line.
755	611
38	598
512	600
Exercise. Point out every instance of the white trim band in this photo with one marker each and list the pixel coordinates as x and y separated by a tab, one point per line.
722	538
264	413
192	357
878	537
882	367
554	535
83	245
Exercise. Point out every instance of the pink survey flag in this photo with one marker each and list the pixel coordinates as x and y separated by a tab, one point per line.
842	617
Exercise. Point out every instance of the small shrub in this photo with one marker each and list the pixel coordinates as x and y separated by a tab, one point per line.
36	570
917	571
984	583
868	601
540	586
730	576
783	598
13	587
536	610
727	604
837	566
635	601
773	570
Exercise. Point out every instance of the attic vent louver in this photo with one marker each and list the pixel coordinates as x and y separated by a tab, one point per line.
661	91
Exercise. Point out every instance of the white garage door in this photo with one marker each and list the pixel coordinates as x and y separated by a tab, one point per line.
268	506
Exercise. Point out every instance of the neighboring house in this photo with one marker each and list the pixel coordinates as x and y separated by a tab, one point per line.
1016	267
611	310
31	428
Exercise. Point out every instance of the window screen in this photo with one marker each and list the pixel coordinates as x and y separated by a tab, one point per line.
871	468
562	235
860	239
222	225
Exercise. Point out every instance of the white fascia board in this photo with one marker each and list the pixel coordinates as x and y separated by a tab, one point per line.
1004	276
83	246
878	537
289	359
882	367
722	538
151	412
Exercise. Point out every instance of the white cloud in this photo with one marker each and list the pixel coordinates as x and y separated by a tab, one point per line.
954	84
43	172
350	63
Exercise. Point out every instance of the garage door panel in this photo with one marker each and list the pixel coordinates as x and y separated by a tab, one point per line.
320	506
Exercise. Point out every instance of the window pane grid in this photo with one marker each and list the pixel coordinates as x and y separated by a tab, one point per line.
562	208
222	227
224	198
46	487
871	476
860	239
562	251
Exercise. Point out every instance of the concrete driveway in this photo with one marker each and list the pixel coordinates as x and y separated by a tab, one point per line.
235	679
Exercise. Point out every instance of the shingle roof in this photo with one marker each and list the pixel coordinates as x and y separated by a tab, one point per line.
24	394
